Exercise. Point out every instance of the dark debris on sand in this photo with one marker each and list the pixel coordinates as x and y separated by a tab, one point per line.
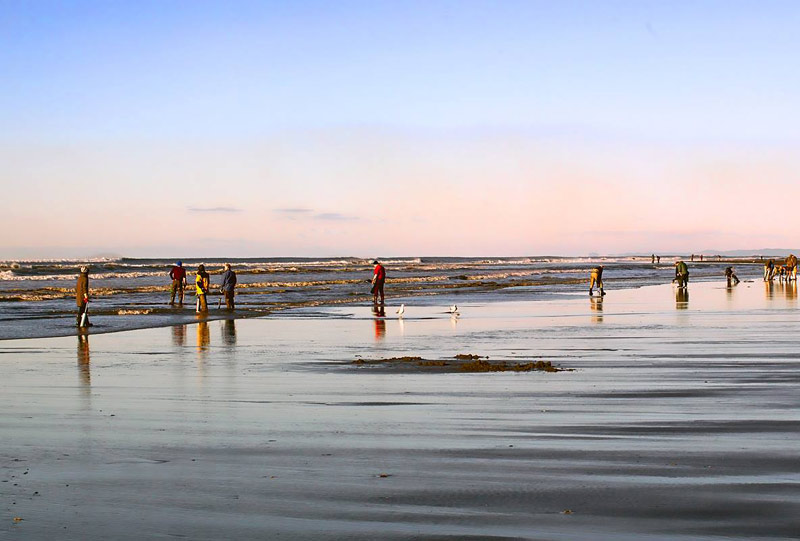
464	363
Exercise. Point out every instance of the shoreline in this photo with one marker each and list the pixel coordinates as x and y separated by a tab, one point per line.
679	421
41	308
186	315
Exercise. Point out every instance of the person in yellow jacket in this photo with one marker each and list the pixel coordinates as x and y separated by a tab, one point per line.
596	278
202	283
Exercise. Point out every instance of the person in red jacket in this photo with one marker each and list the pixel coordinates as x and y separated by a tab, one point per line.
378	279
178	275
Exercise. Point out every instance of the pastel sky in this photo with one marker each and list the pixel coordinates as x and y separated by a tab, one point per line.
370	128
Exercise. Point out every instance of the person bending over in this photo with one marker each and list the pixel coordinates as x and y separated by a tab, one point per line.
681	274
596	277
731	277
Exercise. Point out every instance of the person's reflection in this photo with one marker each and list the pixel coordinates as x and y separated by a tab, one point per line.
84	368
229	332
203	337
596	304
729	291
682	298
179	335
769	289
380	323
791	290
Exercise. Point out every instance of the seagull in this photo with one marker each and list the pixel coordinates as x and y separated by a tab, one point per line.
401	310
453	309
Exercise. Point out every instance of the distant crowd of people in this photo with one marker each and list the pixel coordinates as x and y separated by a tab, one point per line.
787	271
177	274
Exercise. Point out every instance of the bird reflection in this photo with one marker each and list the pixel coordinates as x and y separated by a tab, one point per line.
596	305
682	298
84	367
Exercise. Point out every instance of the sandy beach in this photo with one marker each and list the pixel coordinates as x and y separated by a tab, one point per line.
677	419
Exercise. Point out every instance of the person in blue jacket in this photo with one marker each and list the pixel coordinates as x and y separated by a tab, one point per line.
228	284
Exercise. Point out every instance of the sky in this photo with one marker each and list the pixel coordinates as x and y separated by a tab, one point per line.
268	129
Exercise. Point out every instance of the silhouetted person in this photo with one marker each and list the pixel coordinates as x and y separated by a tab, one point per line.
653	259
82	297
731	277
658	259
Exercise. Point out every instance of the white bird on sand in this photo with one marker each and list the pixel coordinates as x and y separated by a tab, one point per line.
453	309
401	310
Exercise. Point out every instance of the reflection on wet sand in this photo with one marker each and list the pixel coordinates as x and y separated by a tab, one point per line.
84	367
380	323
682	298
229	332
788	289
179	335
769	290
203	337
596	304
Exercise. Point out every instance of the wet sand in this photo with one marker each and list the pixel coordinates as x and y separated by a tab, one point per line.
680	420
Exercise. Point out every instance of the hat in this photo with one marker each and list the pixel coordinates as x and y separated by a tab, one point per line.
374	261
179	263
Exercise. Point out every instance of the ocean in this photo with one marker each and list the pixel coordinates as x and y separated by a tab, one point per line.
37	298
